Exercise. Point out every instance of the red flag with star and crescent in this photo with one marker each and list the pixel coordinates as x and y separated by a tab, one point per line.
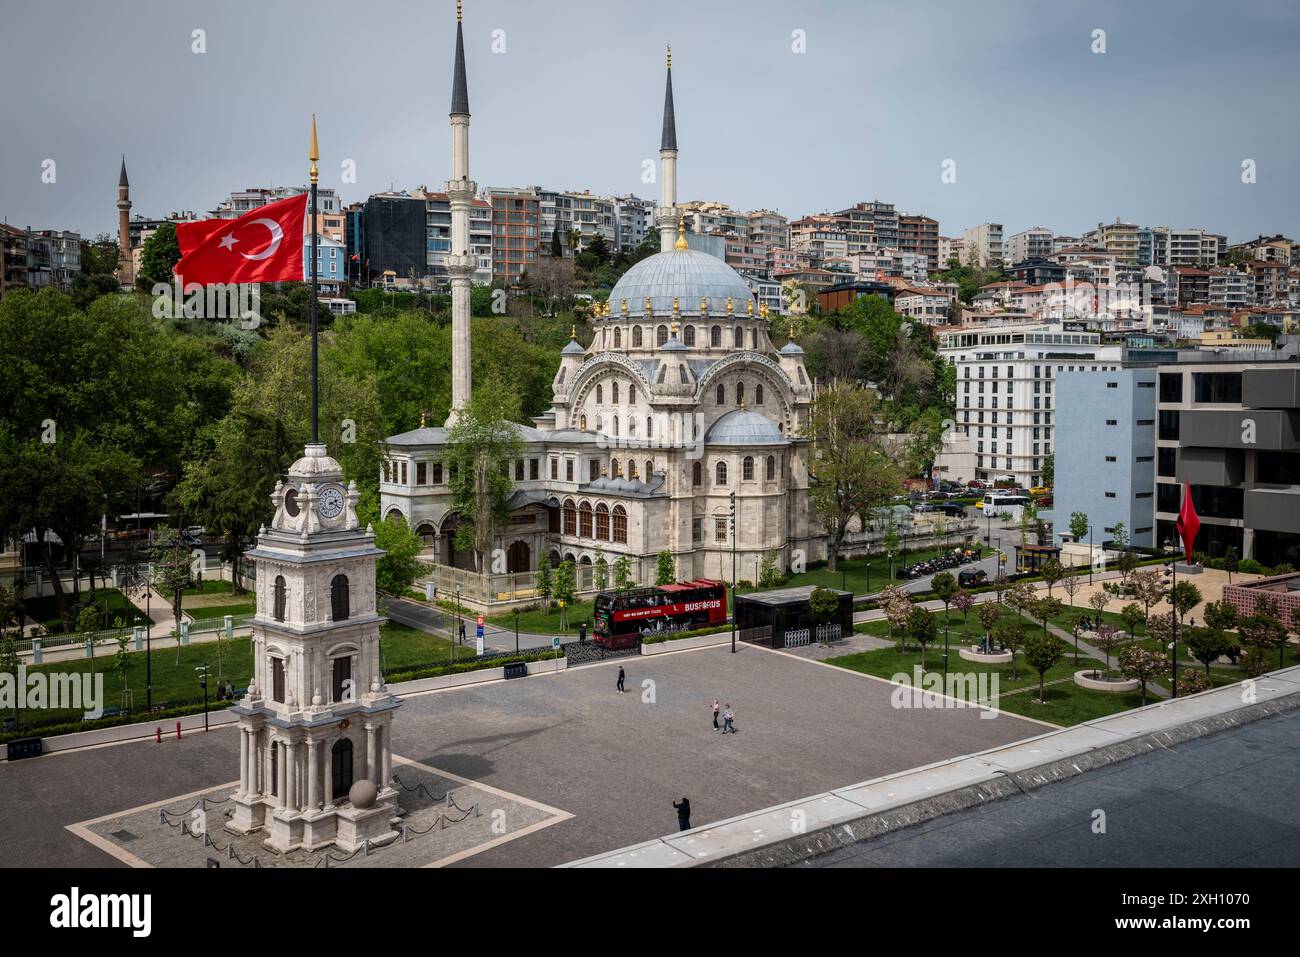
1189	523
263	245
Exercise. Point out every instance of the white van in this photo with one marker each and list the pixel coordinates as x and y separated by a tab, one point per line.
995	503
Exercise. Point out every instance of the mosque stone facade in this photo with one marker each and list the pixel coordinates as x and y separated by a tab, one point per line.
681	402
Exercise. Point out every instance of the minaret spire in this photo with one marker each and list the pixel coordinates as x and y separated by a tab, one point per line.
667	215
125	262
460	260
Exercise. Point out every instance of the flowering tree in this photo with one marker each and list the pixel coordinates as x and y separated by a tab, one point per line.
898	608
989	613
1107	639
963	601
1143	664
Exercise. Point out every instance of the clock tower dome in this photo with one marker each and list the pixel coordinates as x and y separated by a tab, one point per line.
317	718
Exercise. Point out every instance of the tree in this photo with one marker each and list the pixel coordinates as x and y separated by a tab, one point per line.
1148	588
623	573
898	610
1184	598
600	573
1143	664
171	567
1221	615
769	573
87	628
944	586
1231	562
922	626
160	253
1071	585
1020	596
1206	645
565	582
1263	633
666	569
1049	470
1051	572
1192	681
1107	638
1160	628
989	614
545	584
1128	561
824	604
1133	616
1099	600
1045	609
1043	652
1120	536
1011	635
480	448
1079	526
397	570
853	472
892	542
963	601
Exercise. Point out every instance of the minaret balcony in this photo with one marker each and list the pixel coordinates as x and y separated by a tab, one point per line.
461	190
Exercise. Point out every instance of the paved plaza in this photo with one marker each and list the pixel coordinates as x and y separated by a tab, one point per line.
567	742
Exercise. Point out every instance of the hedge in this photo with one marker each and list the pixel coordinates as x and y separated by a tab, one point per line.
438	671
677	635
138	717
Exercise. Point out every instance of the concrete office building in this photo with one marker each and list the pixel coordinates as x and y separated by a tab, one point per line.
1231	430
1005	395
1105	469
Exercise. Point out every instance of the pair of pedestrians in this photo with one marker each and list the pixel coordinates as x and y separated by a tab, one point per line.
728	718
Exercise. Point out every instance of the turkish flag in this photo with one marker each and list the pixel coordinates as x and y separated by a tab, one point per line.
1189	523
263	245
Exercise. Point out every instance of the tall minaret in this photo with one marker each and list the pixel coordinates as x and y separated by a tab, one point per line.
666	215
460	261
125	265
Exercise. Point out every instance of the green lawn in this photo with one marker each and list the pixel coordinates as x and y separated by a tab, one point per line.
173	680
860	575
207	612
1066	702
540	622
401	646
209	588
45	610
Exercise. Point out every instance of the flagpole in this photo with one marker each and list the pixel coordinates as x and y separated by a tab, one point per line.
315	175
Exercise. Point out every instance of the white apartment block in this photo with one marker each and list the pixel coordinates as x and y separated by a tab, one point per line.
950	248
1036	243
633	218
982	245
1163	246
1004	391
768	228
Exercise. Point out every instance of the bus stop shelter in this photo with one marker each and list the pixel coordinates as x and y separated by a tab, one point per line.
782	618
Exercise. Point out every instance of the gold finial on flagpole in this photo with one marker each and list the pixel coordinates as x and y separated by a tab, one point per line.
670	56
314	153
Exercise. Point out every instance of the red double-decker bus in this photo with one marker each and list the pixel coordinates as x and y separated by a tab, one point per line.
623	618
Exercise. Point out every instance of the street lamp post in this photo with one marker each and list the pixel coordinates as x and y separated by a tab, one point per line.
733	573
516	631
148	639
1091	562
1173	617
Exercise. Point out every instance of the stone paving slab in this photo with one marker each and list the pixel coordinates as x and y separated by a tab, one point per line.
443	819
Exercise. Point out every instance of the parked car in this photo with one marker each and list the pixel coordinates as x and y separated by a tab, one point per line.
972	578
977	485
1039	490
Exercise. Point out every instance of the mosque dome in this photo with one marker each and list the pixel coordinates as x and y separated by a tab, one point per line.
682	274
743	427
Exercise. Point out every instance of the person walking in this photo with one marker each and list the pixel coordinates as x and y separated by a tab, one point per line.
621	678
727	719
716	708
683	815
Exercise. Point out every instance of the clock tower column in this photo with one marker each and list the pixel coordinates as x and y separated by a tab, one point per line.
315	725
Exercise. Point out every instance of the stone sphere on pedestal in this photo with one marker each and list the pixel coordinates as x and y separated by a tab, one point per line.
363	794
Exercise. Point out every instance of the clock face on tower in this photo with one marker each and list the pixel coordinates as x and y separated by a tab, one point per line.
331	503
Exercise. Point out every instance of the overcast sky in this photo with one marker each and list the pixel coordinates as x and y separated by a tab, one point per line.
1042	129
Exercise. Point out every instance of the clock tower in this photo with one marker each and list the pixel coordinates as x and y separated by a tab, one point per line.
316	723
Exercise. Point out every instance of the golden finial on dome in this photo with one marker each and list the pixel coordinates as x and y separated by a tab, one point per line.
704	305
670	54
672	327
742	405
677	306
681	234
422	415
731	306
749	308
623	308
792	328
458	11
649	308
762	310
